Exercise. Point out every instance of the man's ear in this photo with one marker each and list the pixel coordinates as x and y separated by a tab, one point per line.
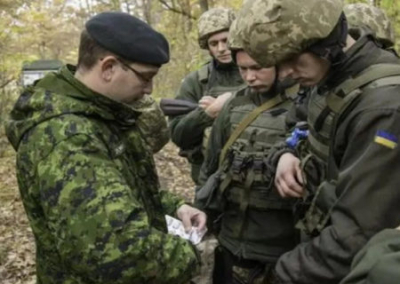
108	67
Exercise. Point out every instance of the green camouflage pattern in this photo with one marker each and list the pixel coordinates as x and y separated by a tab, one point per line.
235	39
152	123
361	14
276	30
212	21
90	189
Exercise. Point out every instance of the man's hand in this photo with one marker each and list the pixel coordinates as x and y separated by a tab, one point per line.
214	109
191	217
206	101
398	228
288	178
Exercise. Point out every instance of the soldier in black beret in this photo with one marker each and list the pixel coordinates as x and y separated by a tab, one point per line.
114	42
87	177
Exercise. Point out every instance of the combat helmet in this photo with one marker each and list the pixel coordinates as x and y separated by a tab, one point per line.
276	30
235	39
361	14
213	21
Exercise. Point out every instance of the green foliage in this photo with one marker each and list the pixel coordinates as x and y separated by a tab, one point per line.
392	8
49	29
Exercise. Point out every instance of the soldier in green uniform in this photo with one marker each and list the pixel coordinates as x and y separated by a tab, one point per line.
87	180
256	224
203	86
353	116
378	262
362	20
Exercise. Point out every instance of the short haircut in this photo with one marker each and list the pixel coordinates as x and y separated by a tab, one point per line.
89	51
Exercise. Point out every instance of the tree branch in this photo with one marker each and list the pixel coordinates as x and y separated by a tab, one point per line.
4	84
175	10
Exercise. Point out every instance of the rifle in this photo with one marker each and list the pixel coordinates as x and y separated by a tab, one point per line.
173	107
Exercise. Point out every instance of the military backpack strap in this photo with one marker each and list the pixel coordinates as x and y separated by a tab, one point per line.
379	74
375	76
245	122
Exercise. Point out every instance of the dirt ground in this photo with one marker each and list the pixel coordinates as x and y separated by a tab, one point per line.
17	262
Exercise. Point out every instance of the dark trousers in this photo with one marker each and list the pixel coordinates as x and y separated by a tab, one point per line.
225	263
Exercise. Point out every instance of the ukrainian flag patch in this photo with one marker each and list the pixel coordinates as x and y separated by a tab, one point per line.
386	139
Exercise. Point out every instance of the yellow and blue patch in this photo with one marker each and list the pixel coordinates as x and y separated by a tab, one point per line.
386	139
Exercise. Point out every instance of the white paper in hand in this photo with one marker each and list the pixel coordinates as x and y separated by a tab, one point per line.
175	227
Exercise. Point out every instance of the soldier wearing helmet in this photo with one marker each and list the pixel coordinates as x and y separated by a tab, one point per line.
360	15
205	86
353	115
252	216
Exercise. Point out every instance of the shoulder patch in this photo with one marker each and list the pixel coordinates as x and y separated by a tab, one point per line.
386	139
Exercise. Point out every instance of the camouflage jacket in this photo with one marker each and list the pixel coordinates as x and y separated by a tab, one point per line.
152	123
90	189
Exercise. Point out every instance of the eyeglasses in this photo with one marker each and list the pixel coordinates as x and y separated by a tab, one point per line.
143	78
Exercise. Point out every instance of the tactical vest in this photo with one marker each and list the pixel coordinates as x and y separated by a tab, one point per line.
324	113
213	91
257	223
197	154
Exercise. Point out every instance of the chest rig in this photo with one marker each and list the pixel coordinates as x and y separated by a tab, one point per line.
247	182
325	112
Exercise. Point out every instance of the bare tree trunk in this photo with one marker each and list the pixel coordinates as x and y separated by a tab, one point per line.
128	7
203	5
147	4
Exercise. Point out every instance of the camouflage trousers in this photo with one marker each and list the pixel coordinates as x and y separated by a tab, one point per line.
206	249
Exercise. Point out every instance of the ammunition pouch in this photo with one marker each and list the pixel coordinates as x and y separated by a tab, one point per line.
318	214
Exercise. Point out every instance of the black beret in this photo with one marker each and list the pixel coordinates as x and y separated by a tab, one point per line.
128	37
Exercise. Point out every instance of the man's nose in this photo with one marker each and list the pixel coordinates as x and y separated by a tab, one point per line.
221	46
148	89
250	76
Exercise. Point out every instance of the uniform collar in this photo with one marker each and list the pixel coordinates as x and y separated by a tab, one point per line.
120	112
358	57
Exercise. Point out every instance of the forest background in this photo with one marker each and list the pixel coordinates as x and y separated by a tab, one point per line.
49	29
